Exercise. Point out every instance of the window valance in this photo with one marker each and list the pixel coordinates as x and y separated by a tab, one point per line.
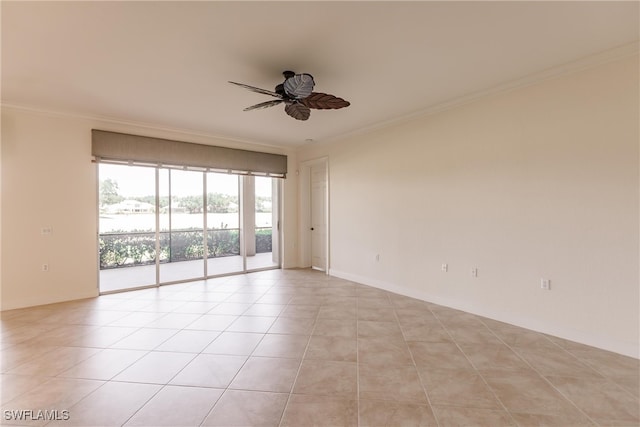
120	147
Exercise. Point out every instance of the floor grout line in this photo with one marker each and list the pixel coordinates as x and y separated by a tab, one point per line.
299	292
295	379
415	366
484	381
543	377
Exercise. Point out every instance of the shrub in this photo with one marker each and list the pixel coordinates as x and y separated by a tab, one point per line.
126	249
263	240
223	243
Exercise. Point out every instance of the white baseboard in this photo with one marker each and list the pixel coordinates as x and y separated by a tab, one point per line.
46	299
593	340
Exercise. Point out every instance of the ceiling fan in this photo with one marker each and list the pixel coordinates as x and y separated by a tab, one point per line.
296	92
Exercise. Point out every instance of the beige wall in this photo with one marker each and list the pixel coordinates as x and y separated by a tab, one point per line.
48	180
539	182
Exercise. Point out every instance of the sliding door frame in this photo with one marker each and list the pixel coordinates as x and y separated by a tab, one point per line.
242	188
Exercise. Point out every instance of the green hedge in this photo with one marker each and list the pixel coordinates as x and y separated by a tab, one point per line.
126	249
263	240
118	250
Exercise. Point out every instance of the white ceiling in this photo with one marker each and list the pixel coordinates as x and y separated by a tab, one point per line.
167	63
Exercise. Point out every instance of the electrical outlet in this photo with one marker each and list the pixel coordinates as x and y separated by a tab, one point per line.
474	272
545	284
45	267
445	267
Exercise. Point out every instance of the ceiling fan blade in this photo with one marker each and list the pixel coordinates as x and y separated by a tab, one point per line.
299	86
258	90
266	104
297	111
324	101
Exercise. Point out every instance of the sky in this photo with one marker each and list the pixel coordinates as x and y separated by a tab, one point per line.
140	181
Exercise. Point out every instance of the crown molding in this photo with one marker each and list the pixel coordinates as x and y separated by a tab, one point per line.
591	61
582	64
141	125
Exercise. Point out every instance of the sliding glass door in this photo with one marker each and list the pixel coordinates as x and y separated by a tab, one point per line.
161	225
127	224
223	224
181	225
262	234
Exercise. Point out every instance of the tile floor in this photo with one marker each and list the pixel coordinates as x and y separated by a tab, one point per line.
297	348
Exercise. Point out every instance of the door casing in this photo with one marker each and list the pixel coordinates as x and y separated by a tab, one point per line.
305	206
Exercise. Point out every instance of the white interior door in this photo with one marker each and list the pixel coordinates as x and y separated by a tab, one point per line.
319	216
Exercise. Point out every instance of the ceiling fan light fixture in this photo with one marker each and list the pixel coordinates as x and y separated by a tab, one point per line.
296	92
